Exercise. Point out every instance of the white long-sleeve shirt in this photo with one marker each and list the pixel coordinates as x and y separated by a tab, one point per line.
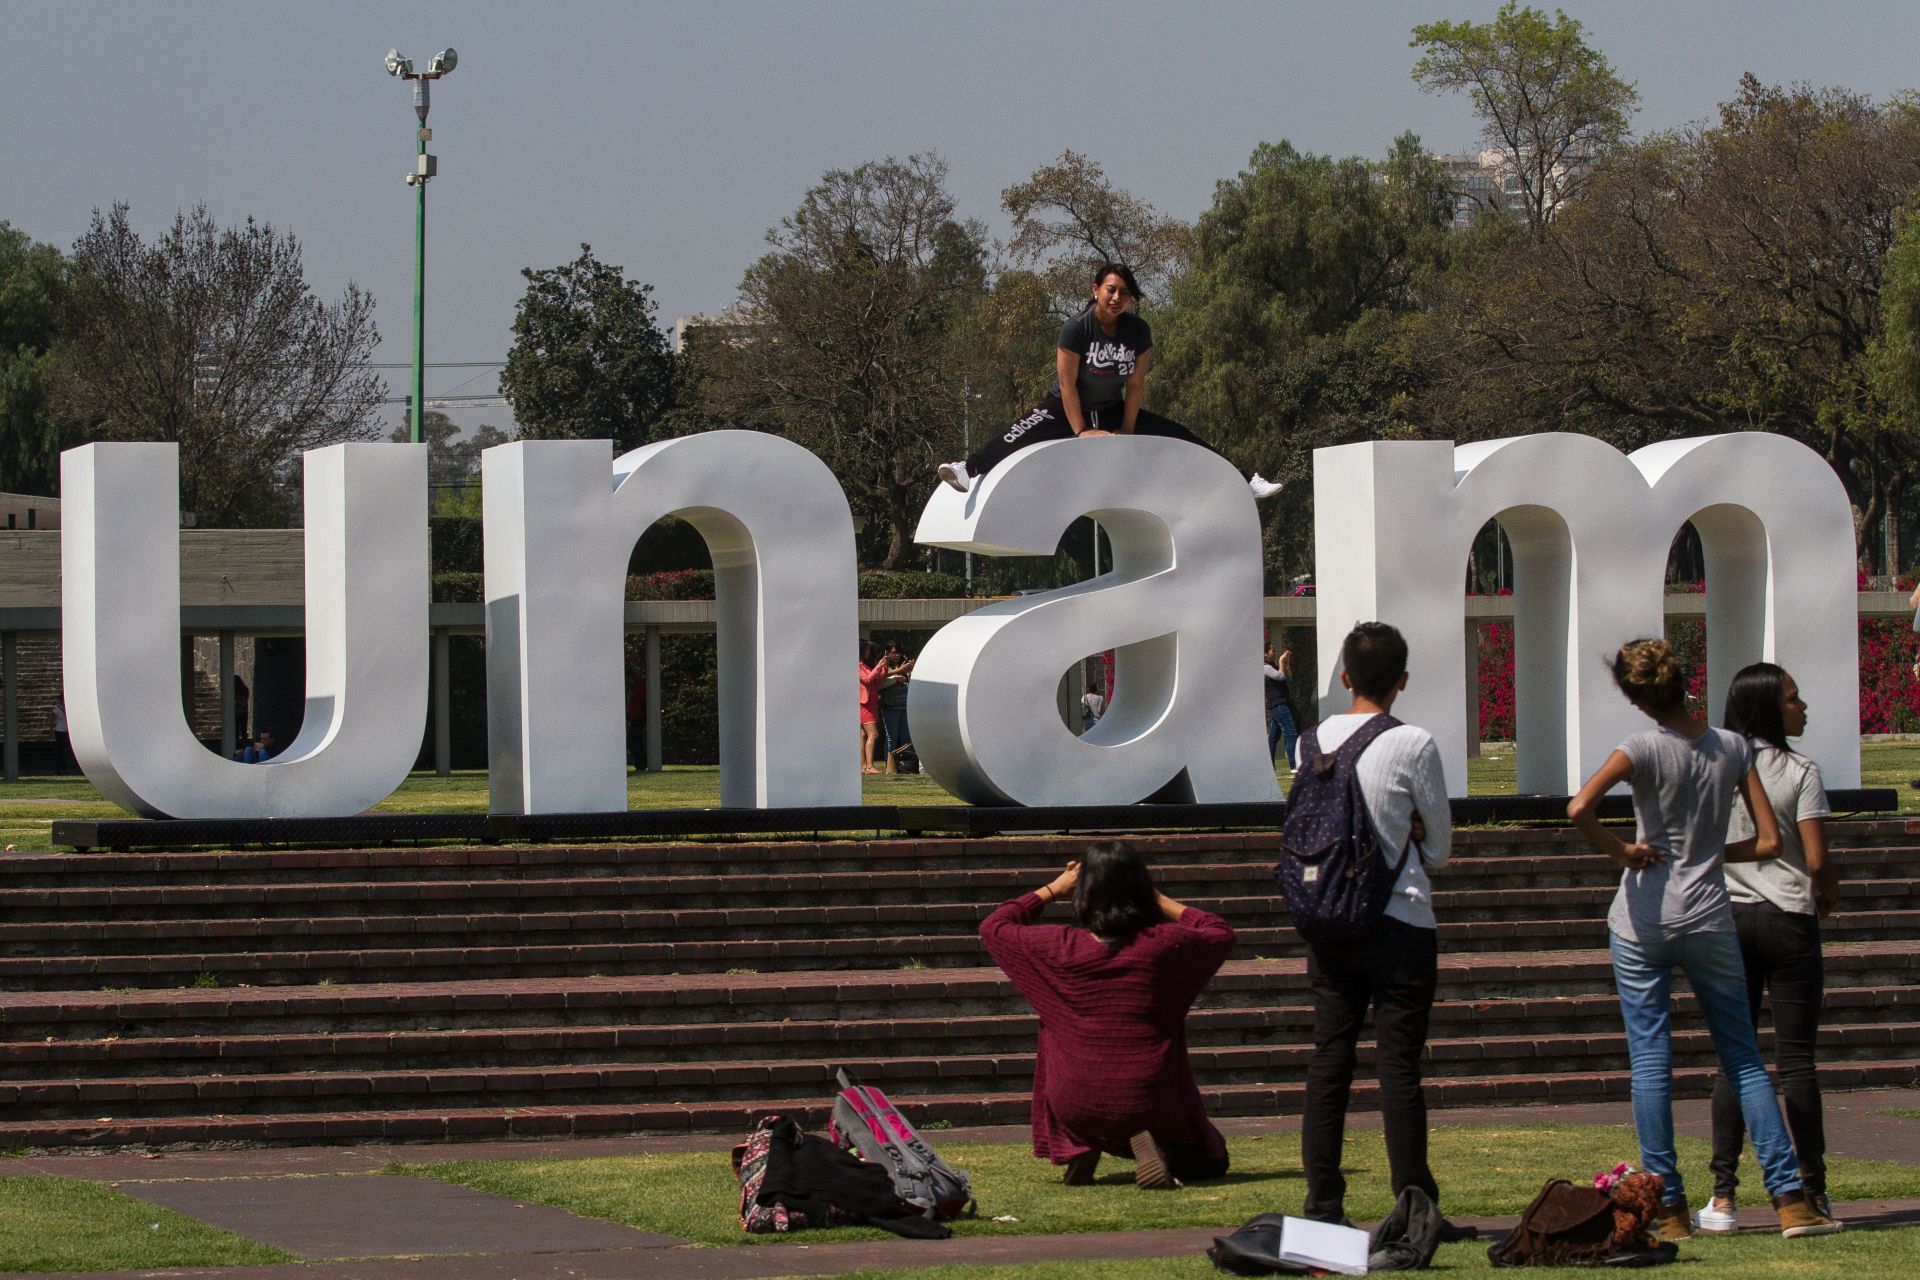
1400	775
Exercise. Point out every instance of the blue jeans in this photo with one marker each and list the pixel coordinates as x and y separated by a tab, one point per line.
1643	973
1280	729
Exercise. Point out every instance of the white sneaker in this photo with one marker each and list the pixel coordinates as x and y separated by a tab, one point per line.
1262	487
954	476
1716	1216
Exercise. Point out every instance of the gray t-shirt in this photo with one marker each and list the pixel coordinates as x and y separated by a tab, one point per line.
1683	790
1795	790
1106	359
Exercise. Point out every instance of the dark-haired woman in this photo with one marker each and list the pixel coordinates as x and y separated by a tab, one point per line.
1777	907
1113	992
1672	912
1100	378
873	675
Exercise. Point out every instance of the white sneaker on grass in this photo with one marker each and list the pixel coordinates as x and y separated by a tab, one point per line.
954	476
1262	487
1716	1216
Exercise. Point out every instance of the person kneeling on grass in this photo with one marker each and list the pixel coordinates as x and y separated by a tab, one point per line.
1111	1074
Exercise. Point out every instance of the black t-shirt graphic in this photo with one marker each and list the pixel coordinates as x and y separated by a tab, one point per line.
1106	360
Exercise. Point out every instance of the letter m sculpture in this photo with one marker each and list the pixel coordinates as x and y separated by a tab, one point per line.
1591	530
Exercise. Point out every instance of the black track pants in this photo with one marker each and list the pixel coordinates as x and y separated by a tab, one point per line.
1048	421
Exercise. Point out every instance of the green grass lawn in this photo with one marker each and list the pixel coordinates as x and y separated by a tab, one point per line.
63	1224
29	806
1852	1255
1481	1171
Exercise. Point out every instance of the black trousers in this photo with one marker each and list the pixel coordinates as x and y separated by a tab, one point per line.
1395	970
1782	954
1048	421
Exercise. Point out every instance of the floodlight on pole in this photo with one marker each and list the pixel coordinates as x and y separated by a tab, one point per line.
425	167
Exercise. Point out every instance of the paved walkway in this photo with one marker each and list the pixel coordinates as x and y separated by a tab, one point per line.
413	1229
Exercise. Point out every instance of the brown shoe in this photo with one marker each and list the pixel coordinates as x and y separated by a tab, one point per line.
1079	1172
1799	1218
1150	1172
1672	1222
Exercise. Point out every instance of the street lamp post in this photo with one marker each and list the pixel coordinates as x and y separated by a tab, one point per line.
425	167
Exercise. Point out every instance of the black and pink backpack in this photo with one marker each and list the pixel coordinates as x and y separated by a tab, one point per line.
864	1120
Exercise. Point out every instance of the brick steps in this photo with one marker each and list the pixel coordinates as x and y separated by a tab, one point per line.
424	961
1002	1035
371	931
417	994
439	1124
597	1083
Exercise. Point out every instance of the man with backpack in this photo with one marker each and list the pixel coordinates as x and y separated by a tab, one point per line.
1366	822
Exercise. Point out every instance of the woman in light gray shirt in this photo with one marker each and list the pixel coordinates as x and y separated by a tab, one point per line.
1777	907
1673	912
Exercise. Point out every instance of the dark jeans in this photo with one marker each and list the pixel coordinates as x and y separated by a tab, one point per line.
1782	954
1394	970
893	725
1281	731
1048	421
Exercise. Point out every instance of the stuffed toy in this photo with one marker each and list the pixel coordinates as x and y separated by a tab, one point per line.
1636	1199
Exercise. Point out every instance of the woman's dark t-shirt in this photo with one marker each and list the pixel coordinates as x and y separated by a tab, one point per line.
1106	360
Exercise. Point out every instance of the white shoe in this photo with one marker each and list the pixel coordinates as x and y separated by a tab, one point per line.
954	476
1716	1216
1262	487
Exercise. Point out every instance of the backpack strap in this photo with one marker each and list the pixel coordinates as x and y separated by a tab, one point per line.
1363	737
1349	753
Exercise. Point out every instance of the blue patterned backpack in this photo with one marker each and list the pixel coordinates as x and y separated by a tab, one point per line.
1331	874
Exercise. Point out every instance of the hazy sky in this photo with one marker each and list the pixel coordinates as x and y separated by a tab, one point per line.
671	137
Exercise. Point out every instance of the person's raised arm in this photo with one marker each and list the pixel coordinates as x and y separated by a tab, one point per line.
1136	390
1066	366
1765	841
1583	810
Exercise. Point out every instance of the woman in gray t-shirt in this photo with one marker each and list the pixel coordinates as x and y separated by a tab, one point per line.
1672	912
1777	907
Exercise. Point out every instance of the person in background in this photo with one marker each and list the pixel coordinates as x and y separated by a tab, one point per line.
260	750
62	740
893	704
1777	906
1093	705
1672	912
873	673
1281	730
636	718
1112	990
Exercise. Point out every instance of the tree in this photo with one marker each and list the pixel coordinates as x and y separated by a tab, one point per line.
1067	216
847	337
33	281
1723	277
452	463
1290	331
1546	99
588	362
211	339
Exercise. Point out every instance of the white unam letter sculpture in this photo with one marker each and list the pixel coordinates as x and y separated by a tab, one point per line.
366	549
1181	608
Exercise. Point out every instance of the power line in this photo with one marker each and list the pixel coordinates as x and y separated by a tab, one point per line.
450	364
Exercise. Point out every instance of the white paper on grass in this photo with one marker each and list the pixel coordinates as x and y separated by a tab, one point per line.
1181	608
1324	1244
1590	529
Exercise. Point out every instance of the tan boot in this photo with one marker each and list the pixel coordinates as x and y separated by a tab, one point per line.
1150	1172
1799	1218
1672	1222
